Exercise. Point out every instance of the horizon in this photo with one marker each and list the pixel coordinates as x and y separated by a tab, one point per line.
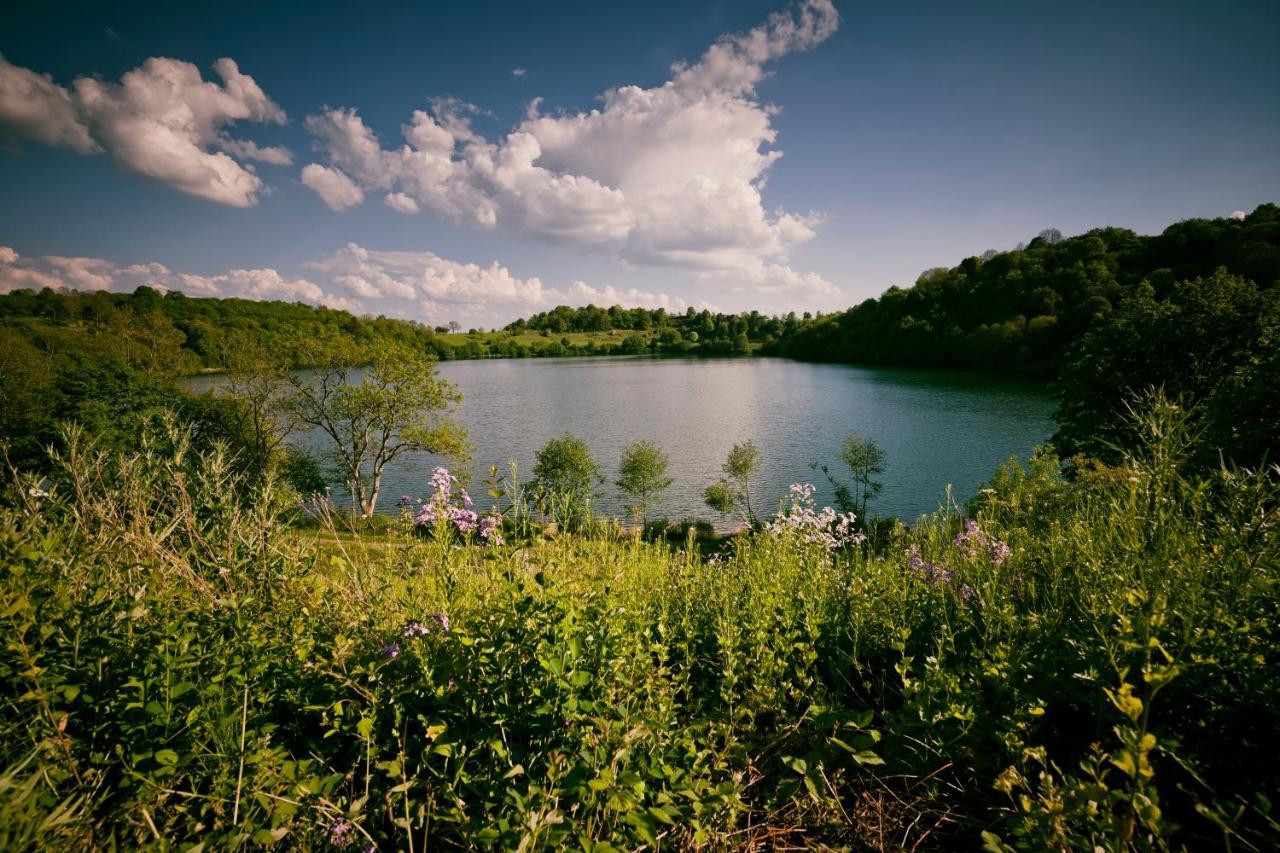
481	181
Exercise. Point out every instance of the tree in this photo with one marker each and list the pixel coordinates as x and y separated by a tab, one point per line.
734	489
642	477
566	474
1213	344
373	414
865	460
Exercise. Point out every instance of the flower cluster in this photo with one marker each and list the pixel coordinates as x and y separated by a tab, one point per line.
973	540
417	629
934	574
341	833
455	509
931	572
825	527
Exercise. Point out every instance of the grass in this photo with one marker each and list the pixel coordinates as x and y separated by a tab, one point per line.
536	339
181	666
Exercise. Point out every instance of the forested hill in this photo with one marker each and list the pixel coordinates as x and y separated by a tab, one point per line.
172	334
1022	310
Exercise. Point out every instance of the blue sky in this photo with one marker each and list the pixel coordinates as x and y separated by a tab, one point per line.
911	136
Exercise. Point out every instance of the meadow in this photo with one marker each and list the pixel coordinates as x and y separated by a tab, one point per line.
1064	664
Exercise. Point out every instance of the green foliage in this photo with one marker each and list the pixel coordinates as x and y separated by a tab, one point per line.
180	665
642	477
1024	309
1213	345
566	475
734	490
865	460
373	414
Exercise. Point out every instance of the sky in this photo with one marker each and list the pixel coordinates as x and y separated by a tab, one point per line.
479	162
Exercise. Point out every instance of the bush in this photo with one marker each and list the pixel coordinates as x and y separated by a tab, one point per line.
1077	665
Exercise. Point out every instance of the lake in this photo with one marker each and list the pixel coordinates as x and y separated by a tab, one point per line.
936	428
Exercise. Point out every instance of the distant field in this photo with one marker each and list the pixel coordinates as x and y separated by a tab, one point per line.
536	339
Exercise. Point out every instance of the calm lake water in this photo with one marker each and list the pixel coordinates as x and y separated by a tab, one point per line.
937	428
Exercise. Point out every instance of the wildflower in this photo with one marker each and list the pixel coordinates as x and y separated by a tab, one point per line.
37	492
442	619
391	650
491	530
463	519
416	629
965	591
826	528
914	561
973	540
936	574
406	499
442	481
340	833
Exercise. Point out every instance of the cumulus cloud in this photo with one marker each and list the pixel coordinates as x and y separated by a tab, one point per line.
161	120
338	191
35	107
415	285
86	274
423	285
670	175
400	202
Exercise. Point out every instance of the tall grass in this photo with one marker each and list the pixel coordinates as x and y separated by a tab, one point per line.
182	666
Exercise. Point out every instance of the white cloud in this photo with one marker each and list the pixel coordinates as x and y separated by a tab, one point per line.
246	149
338	191
415	285
425	286
400	202
582	293
162	120
1238	215
670	175
99	274
519	72
35	107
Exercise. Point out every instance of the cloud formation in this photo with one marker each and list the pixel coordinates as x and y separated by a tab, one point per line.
423	284
161	120
669	176
414	285
87	274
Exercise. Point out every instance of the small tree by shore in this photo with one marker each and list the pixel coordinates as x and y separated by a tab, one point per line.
642	478
733	491
372	414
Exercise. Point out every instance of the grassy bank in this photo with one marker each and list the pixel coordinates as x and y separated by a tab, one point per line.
1081	664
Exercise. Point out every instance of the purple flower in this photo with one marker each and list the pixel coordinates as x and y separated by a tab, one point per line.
936	574
463	519
443	620
974	540
491	530
442	481
340	833
406	499
416	629
391	650
965	591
